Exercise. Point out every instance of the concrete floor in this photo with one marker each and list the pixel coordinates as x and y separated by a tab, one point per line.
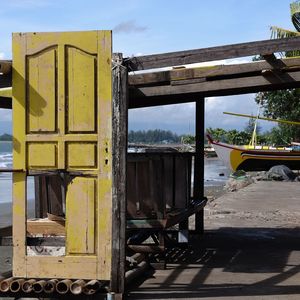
251	250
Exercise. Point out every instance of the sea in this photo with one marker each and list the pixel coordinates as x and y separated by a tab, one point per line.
5	178
215	174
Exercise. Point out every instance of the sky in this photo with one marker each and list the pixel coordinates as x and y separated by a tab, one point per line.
142	27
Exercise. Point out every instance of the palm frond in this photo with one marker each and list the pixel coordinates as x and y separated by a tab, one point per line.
295	7
281	33
295	14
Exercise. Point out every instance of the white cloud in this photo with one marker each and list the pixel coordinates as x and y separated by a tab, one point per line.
129	27
181	117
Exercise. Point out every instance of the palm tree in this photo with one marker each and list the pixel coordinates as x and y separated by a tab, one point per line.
279	33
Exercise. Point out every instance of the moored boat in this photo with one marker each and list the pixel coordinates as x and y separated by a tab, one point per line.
256	158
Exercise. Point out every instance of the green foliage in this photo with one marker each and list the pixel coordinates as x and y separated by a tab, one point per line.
233	137
218	134
250	126
153	136
283	104
188	139
5	137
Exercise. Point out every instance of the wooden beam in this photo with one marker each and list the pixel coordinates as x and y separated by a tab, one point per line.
214	72
119	146
212	53
168	94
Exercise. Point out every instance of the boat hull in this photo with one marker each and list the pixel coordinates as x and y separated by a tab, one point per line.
239	158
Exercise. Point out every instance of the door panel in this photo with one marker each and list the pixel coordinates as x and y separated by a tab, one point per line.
81	203
41	91
81	92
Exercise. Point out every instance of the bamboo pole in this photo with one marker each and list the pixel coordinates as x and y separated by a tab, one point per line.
27	285
92	287
63	286
77	287
16	285
50	286
38	287
5	284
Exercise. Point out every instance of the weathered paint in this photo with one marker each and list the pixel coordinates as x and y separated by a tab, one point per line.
62	120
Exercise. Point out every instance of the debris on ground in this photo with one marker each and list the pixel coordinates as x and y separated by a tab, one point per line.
238	180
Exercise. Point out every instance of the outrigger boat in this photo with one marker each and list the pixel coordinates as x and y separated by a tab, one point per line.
254	157
259	158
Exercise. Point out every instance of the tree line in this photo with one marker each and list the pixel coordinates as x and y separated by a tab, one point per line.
5	137
153	136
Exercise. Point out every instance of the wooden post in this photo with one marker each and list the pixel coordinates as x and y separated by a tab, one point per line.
199	163
119	146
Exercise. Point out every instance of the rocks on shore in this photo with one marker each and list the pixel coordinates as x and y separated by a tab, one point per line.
240	179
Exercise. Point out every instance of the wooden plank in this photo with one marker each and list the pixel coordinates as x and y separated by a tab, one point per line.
156	201
55	190
19	152
144	173
148	78
131	188
181	182
80	216
212	53
214	71
168	170
160	95
46	227
55	267
119	157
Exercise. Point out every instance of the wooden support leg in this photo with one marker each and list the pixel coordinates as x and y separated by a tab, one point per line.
119	141
199	222
199	164
160	259
114	296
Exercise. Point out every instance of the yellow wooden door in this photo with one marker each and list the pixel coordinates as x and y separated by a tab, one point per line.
62	121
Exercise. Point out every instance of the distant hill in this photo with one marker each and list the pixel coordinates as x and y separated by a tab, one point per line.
5	137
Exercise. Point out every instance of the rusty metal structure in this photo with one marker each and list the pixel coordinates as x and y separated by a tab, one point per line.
100	212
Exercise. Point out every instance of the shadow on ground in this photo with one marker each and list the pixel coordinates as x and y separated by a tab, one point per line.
228	262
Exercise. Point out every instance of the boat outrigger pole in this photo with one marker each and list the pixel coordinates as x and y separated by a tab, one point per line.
263	118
